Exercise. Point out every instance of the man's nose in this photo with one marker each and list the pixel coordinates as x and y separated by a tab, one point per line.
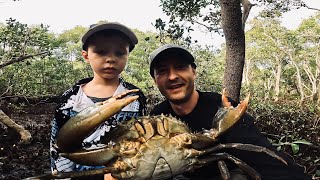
172	74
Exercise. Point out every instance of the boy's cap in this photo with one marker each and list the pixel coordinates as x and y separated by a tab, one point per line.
111	26
169	48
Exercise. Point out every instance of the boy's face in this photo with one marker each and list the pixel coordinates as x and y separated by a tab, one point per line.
175	79
107	55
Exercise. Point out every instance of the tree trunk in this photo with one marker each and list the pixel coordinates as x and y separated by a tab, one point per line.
235	46
277	83
246	71
318	94
267	88
25	134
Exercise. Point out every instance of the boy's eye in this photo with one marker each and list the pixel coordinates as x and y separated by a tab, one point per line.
120	53
101	52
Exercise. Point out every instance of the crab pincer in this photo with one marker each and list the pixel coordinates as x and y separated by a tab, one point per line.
228	116
78	127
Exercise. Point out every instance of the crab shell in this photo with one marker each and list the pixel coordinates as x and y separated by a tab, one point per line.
151	147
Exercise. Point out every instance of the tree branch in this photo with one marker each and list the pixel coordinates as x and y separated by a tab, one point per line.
312	8
19	59
208	27
246	4
25	134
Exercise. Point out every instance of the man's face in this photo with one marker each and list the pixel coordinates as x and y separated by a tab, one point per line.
175	79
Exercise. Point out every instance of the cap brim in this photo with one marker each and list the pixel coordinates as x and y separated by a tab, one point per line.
156	55
112	26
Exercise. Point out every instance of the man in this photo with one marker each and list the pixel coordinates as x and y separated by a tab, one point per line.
174	71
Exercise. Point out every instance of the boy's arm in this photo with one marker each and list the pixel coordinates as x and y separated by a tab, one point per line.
58	163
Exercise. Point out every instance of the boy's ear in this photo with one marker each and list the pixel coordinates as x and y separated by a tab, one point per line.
85	55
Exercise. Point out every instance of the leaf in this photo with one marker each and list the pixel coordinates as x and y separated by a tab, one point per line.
303	141
311	109
278	148
295	148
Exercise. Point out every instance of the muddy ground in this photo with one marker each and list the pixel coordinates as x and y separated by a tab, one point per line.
24	160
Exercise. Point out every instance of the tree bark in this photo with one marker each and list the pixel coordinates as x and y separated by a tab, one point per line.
25	134
235	47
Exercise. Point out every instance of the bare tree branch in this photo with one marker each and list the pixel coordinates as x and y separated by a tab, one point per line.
312	8
208	27
246	5
25	134
19	59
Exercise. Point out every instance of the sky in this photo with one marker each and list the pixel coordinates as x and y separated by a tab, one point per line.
61	15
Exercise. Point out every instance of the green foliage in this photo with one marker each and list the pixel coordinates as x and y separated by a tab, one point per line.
184	15
210	67
295	145
290	129
275	8
17	39
39	75
69	44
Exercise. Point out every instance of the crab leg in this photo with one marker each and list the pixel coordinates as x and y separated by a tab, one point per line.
245	147
78	127
224	171
63	175
242	165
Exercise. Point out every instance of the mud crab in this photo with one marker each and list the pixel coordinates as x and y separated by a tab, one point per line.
151	147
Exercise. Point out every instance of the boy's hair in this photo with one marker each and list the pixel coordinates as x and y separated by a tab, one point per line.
111	28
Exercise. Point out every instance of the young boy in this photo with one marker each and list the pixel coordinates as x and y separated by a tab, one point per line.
106	49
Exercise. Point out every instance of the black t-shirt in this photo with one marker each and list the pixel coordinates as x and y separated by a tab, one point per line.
243	132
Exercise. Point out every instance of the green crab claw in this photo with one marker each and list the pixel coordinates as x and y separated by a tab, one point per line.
73	132
227	116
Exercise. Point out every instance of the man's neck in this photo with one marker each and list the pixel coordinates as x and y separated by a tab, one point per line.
186	107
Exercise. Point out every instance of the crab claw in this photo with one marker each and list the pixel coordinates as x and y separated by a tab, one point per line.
73	132
227	116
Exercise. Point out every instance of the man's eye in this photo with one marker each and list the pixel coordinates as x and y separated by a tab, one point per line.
182	66
160	71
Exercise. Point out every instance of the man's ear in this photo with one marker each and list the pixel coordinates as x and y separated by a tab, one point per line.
194	72
85	55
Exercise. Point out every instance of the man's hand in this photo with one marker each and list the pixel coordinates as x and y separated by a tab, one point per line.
109	177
